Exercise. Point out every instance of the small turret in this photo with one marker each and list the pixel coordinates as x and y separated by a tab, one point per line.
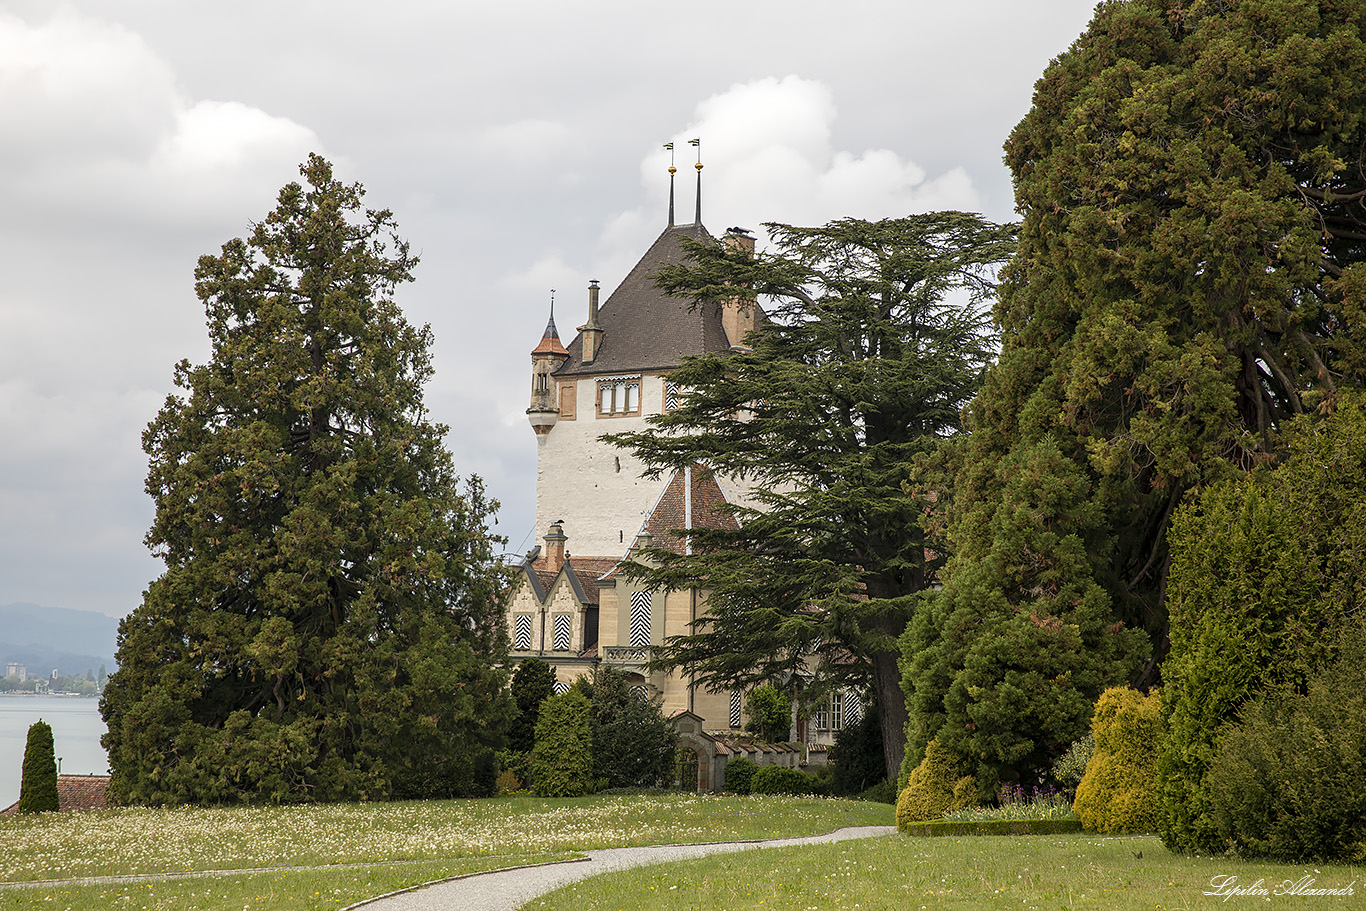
545	360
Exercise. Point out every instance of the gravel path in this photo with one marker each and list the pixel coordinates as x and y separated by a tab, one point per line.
507	890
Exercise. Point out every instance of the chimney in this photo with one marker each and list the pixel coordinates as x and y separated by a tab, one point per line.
554	546
592	332
737	314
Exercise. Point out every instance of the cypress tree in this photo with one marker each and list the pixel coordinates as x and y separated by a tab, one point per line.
38	790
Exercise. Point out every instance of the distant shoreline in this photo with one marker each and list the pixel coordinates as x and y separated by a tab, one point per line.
36	695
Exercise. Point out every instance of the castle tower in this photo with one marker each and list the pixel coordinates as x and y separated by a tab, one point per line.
546	358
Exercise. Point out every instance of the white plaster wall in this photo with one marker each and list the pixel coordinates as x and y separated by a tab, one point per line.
577	477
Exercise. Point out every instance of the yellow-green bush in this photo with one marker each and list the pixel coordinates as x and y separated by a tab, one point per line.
1118	793
934	787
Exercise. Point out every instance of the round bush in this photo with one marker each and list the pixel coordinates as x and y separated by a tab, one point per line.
740	774
1118	793
773	779
934	787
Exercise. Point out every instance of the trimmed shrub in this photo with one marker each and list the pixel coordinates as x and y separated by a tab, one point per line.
934	787
562	760
1118	793
945	827
1289	781
776	779
740	774
38	788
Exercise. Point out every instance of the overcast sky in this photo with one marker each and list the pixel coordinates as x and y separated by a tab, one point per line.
519	145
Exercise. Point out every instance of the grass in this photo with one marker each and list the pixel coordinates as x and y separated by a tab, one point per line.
397	845
896	873
313	890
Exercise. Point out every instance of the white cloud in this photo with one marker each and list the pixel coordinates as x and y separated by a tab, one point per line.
94	119
769	154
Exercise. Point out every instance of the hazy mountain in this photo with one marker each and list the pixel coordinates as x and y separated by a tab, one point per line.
72	641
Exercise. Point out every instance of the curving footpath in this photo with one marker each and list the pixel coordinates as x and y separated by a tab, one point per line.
507	890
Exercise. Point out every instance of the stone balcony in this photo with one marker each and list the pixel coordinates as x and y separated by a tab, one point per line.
633	657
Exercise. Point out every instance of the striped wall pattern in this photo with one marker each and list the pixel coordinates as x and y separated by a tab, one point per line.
561	687
641	692
640	619
560	641
735	700
521	637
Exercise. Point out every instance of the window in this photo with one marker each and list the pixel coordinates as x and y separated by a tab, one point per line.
838	710
560	641
640	619
521	635
853	711
641	692
619	396
735	700
671	395
561	687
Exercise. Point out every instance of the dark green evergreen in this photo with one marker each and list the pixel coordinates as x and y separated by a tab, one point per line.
633	743
38	787
856	757
1191	179
562	760
532	682
329	624
1266	573
1289	780
874	342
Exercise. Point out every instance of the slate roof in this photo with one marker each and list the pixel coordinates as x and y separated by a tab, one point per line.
645	329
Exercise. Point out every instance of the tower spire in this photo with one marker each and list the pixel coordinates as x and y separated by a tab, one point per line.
550	331
672	172
697	144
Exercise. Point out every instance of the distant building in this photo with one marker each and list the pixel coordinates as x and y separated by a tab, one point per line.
16	671
576	610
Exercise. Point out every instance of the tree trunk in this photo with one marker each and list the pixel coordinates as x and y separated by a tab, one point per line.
891	710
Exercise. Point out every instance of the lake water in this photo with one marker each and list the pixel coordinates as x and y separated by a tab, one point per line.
76	731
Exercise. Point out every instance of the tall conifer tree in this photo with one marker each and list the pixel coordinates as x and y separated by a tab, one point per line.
1192	180
875	340
330	617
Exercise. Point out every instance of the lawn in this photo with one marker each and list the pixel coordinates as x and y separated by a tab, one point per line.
397	844
896	873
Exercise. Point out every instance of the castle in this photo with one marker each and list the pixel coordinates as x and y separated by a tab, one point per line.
571	605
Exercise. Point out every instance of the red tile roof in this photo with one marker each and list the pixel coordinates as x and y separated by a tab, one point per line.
75	792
